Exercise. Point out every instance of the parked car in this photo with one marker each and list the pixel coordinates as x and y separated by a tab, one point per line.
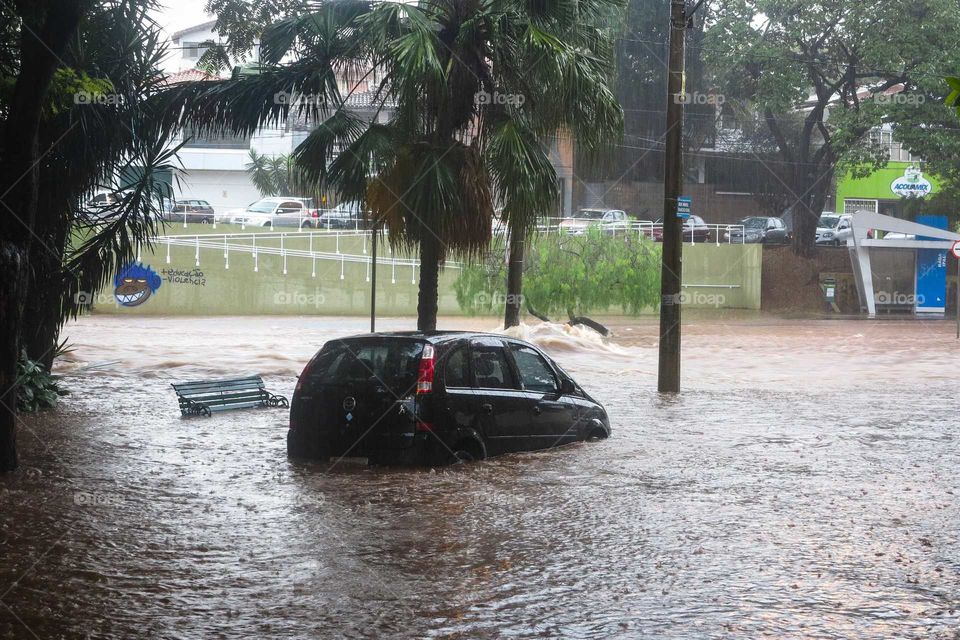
277	212
103	206
606	219
346	215
189	211
759	229
845	229
827	229
694	230
895	235
436	398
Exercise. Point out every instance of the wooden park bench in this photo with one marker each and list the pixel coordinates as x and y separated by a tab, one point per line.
203	397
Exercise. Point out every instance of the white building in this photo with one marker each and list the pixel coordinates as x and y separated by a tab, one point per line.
214	169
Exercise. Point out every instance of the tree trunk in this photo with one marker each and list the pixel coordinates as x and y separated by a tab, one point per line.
43	309
511	314
44	35
806	213
429	282
13	267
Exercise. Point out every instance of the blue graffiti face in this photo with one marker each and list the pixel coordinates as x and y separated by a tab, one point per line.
135	283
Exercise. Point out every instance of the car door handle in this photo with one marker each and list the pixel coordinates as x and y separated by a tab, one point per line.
536	410
487	407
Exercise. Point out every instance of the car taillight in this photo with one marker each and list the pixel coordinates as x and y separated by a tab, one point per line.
425	372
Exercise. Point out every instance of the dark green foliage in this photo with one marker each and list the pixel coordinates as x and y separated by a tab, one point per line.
39	389
568	274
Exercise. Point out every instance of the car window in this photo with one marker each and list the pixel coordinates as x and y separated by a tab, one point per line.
456	370
534	371
491	370
290	207
392	364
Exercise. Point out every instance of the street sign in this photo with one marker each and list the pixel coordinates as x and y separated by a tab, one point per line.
684	206
955	250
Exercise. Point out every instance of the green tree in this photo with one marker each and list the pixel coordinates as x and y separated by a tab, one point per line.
807	76
95	126
473	90
274	175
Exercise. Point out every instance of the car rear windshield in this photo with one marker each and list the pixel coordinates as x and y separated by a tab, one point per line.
390	363
588	214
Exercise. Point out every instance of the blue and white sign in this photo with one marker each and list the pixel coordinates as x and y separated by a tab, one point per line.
911	184
684	207
931	288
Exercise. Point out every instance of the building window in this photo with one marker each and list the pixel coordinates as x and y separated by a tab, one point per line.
851	205
193	50
212	140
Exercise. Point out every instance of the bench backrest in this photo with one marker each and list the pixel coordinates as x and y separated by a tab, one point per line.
227	391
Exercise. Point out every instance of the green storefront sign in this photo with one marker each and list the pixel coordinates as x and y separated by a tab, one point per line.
884	190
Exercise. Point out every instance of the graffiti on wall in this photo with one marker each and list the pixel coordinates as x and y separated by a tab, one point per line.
135	283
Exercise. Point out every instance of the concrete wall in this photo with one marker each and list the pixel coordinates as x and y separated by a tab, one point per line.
213	289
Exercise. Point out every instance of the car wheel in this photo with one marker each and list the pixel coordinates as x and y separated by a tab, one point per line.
597	434
466	451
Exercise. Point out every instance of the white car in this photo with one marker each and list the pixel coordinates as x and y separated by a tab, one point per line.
276	212
827	228
845	229
608	220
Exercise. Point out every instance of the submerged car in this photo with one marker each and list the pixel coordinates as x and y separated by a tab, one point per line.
436	398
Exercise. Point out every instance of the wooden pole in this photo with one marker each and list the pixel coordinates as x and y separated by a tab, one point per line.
668	375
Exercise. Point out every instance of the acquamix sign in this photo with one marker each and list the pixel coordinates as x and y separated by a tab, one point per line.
911	184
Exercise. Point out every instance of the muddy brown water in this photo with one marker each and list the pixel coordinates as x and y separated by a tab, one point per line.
803	485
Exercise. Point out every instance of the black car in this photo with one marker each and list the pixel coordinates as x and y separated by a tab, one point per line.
189	211
436	398
346	215
760	229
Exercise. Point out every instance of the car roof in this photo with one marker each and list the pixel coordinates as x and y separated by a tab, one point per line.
279	199
433	337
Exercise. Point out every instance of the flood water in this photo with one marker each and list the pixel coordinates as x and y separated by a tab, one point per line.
804	485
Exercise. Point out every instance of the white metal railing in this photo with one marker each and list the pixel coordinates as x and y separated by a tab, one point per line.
278	244
719	233
300	222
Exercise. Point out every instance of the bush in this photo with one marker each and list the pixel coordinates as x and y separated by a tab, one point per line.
38	388
570	274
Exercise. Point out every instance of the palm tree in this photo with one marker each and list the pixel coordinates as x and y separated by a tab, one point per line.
94	125
275	175
473	88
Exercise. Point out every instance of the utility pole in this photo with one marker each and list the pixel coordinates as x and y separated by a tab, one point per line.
668	373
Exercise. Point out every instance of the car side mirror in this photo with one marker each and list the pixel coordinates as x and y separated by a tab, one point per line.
567	386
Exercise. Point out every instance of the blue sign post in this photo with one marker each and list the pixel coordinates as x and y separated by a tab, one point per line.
931	286
684	207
